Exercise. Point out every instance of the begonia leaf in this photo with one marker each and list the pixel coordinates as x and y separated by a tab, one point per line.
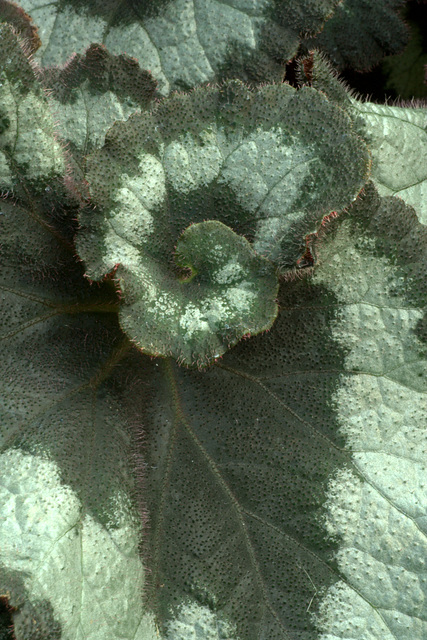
268	163
30	154
182	42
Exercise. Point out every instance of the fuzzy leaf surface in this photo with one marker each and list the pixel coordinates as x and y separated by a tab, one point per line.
287	483
397	138
69	529
182	42
91	92
268	164
68	575
375	264
14	15
361	32
30	154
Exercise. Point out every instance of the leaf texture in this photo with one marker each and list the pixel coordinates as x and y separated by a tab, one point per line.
396	135
361	32
91	92
280	477
280	494
29	151
69	528
269	163
11	13
275	481
183	42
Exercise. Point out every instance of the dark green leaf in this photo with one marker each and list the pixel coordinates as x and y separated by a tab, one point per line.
69	529
183	43
396	135
361	33
405	71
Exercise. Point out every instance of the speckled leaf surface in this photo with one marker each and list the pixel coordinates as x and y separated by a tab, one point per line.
378	509
14	15
91	92
68	528
182	42
315	70
281	493
29	151
68	575
291	476
285	485
267	163
397	138
361	32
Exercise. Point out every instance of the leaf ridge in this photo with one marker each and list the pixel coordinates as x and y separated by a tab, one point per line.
25	325
226	489
165	483
281	403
